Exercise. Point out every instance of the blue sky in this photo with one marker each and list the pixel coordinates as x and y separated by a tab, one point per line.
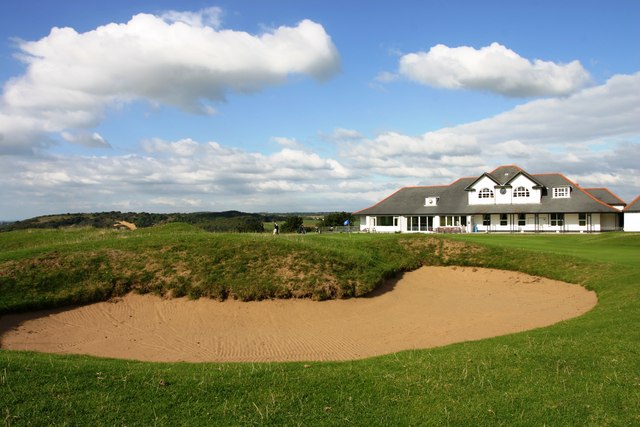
179	106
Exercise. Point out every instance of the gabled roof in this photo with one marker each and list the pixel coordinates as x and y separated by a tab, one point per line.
453	198
504	174
605	195
529	177
488	175
634	206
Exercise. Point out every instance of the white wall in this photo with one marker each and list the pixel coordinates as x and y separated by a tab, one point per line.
368	224
595	221
571	223
484	182
599	222
632	221
535	194
507	198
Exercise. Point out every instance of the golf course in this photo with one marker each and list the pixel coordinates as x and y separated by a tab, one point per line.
582	370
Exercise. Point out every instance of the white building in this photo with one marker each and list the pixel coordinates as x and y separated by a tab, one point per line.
632	216
507	199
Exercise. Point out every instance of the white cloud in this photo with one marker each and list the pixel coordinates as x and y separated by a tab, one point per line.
389	145
598	179
605	111
182	148
286	142
178	204
88	139
386	77
514	149
341	135
174	176
492	68
590	132
592	136
210	17
179	59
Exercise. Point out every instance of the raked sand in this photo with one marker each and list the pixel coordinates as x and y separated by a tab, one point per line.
429	307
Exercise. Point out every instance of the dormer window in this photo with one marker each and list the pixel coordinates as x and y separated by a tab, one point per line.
431	201
521	192
485	193
561	192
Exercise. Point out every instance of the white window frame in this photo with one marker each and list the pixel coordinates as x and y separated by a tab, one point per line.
522	220
521	192
561	192
582	219
453	221
485	193
556	219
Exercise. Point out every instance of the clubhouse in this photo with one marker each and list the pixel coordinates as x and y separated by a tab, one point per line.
507	199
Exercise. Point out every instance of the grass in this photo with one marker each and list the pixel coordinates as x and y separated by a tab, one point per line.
585	371
50	268
617	248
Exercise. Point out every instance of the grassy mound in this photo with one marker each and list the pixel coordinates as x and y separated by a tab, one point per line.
51	268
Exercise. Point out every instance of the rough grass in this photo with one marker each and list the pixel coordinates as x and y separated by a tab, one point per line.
585	371
50	268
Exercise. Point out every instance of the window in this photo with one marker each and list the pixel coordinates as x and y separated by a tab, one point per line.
426	223
561	192
446	221
557	219
419	223
453	221
522	220
485	193
486	219
521	192
582	219
383	221
503	219
414	223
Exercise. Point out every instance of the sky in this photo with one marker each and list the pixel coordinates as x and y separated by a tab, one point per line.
307	106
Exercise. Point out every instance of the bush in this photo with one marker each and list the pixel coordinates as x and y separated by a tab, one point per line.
336	219
292	224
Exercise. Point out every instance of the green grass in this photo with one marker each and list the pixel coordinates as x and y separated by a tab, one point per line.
50	268
617	248
585	371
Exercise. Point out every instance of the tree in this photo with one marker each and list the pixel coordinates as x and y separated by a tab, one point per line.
336	219
292	224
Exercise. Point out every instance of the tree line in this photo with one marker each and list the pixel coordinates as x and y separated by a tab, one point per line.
227	221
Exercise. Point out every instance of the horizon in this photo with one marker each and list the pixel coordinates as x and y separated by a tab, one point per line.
283	106
262	213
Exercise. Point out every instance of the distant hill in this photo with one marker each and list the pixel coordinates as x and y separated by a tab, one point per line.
227	221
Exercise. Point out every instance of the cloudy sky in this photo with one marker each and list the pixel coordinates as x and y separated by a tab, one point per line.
286	105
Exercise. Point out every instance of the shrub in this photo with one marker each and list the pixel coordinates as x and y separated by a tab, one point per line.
292	224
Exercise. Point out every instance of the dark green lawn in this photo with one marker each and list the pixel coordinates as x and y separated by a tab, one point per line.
585	371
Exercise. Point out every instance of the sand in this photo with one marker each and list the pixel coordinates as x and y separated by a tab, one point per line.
429	307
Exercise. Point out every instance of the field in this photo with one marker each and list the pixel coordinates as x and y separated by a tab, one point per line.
585	371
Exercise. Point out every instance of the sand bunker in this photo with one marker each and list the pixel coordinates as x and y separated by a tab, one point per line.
430	307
